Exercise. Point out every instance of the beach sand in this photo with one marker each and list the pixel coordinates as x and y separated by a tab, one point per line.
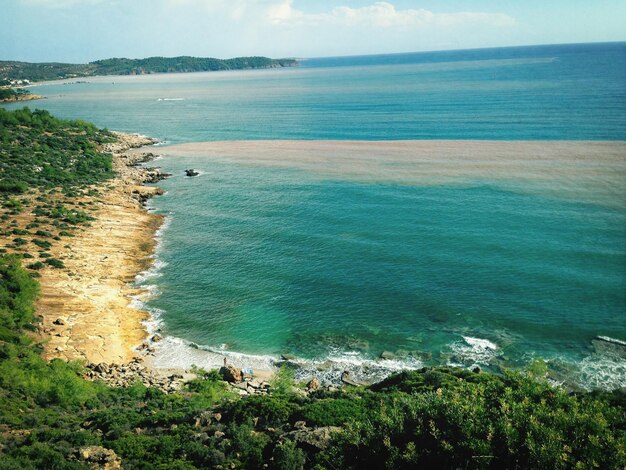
85	308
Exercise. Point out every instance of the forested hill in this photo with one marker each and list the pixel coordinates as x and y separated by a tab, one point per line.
51	71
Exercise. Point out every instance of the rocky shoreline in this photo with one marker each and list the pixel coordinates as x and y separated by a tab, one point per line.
85	308
21	97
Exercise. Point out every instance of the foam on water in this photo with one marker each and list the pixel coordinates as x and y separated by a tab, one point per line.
602	372
174	352
151	291
473	352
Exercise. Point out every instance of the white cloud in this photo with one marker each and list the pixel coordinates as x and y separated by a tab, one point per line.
382	15
376	15
284	27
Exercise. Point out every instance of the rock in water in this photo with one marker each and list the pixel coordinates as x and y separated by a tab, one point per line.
231	374
191	172
387	355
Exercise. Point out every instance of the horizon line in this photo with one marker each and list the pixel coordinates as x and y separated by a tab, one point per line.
373	54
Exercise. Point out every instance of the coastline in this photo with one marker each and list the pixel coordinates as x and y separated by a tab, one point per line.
85	310
26	97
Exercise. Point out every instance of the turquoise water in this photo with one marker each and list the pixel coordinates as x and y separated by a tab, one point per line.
257	261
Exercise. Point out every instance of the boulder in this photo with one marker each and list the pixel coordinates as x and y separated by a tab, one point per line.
313	384
254	384
241	386
231	374
317	438
387	355
100	458
59	321
191	172
346	379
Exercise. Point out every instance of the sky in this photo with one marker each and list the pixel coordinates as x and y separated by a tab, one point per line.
84	30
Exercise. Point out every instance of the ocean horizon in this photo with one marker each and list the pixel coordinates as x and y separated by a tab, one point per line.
319	230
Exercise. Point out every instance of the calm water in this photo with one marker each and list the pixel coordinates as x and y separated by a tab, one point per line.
258	261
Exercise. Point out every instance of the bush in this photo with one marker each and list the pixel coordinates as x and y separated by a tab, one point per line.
288	457
15	187
55	263
42	243
283	381
13	204
43	233
19	241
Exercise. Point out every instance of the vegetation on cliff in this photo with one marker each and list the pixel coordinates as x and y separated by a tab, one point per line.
43	151
48	167
120	66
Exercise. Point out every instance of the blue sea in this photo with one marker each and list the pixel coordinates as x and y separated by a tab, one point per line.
337	261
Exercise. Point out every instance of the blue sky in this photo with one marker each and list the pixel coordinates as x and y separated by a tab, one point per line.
85	30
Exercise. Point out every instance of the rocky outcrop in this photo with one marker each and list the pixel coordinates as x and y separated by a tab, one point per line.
154	175
314	384
316	438
191	172
100	458
125	375
231	374
347	380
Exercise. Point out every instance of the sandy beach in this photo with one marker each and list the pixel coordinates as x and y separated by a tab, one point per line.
85	309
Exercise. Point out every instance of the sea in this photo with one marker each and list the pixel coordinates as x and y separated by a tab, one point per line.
339	259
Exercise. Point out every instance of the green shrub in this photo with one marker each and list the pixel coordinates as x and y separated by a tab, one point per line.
16	187
55	263
14	204
334	411
36	265
43	233
42	243
283	381
287	456
269	411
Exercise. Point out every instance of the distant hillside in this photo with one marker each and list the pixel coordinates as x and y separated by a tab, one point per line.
34	72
